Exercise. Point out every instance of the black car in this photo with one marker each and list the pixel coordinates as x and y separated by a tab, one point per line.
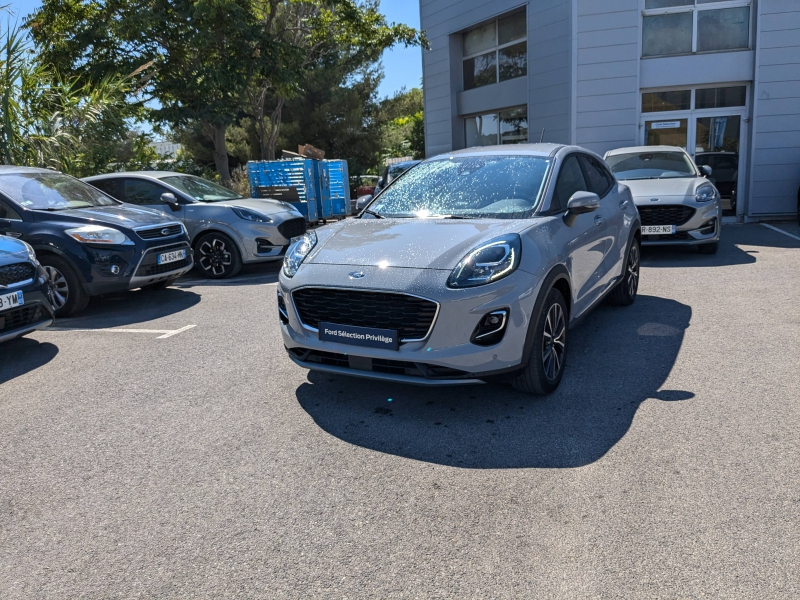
89	243
24	291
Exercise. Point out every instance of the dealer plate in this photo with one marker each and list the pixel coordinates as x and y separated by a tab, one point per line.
168	257
11	300
359	336
658	229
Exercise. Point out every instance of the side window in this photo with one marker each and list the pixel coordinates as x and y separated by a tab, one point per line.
596	176
570	180
139	191
6	212
109	186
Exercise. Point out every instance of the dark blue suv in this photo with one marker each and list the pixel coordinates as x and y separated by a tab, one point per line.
89	243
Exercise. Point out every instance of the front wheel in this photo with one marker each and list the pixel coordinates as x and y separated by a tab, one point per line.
216	256
549	352
624	294
66	292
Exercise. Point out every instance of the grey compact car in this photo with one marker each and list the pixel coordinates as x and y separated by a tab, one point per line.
677	203
470	268
225	229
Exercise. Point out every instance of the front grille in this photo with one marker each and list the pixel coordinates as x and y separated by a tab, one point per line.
160	232
11	274
665	215
150	267
378	365
410	316
293	228
20	317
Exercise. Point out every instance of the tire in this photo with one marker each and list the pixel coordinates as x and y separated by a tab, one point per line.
216	256
708	248
159	285
66	292
624	293
548	355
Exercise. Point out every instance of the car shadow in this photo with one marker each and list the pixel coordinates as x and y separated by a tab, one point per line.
131	307
257	274
22	356
731	251
618	358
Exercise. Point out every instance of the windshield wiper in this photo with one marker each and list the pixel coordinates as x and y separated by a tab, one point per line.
374	214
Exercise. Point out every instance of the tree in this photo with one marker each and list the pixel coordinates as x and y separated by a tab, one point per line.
403	133
56	121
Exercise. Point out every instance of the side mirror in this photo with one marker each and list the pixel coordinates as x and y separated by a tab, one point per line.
363	201
705	170
169	198
580	203
380	183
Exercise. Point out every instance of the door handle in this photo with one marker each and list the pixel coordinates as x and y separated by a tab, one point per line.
598	220
623	205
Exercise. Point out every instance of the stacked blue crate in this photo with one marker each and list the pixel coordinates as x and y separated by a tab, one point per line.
339	184
323	190
293	180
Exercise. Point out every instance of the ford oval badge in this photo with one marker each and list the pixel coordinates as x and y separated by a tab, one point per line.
357	275
165	232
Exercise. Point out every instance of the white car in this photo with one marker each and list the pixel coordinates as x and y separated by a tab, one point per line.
677	203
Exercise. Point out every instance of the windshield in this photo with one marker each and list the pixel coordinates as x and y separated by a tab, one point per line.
651	165
201	189
51	191
501	187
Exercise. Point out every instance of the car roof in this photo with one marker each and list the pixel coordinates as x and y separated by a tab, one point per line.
9	169
544	150
633	149
148	174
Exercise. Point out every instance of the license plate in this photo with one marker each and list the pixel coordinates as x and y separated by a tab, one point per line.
11	300
169	257
657	229
359	336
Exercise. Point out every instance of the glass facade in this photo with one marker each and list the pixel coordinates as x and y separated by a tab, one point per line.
495	51
506	127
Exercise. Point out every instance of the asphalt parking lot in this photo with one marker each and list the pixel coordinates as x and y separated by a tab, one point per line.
161	445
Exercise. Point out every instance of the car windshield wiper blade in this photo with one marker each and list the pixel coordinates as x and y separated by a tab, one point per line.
374	214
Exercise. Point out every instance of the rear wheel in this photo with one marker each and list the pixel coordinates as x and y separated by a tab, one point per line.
216	256
66	292
549	352
708	248
625	291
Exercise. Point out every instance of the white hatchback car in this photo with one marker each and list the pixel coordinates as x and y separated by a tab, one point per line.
677	203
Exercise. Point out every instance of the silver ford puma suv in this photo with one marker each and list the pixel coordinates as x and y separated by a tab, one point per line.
468	268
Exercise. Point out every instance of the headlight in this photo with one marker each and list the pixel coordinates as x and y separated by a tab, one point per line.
705	193
488	262
297	252
31	253
97	234
249	215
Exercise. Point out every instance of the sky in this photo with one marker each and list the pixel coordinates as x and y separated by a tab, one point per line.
402	66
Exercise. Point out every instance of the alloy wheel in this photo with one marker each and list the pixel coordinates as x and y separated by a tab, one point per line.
633	270
554	341
214	256
58	289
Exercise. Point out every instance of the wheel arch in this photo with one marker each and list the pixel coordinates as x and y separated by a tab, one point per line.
558	278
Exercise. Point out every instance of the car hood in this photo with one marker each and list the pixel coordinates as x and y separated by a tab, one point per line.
406	243
647	189
269	208
124	215
12	251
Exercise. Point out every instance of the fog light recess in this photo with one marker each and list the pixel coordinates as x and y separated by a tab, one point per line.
490	328
282	314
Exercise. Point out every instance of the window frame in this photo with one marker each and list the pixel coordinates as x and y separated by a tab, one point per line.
499	121
696	8
6	206
609	177
556	211
125	180
496	48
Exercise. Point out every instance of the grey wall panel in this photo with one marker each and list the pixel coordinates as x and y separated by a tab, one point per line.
722	67
598	39
622	68
613	85
598	102
493	97
774	177
606	118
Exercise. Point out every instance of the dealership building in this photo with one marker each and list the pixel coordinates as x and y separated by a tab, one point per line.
720	78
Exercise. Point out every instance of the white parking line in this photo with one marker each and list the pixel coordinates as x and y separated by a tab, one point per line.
164	333
791	235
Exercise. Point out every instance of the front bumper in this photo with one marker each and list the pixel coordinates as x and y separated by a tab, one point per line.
445	356
703	227
262	242
35	314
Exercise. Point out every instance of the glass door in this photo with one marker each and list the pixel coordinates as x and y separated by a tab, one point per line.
717	142
667	132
